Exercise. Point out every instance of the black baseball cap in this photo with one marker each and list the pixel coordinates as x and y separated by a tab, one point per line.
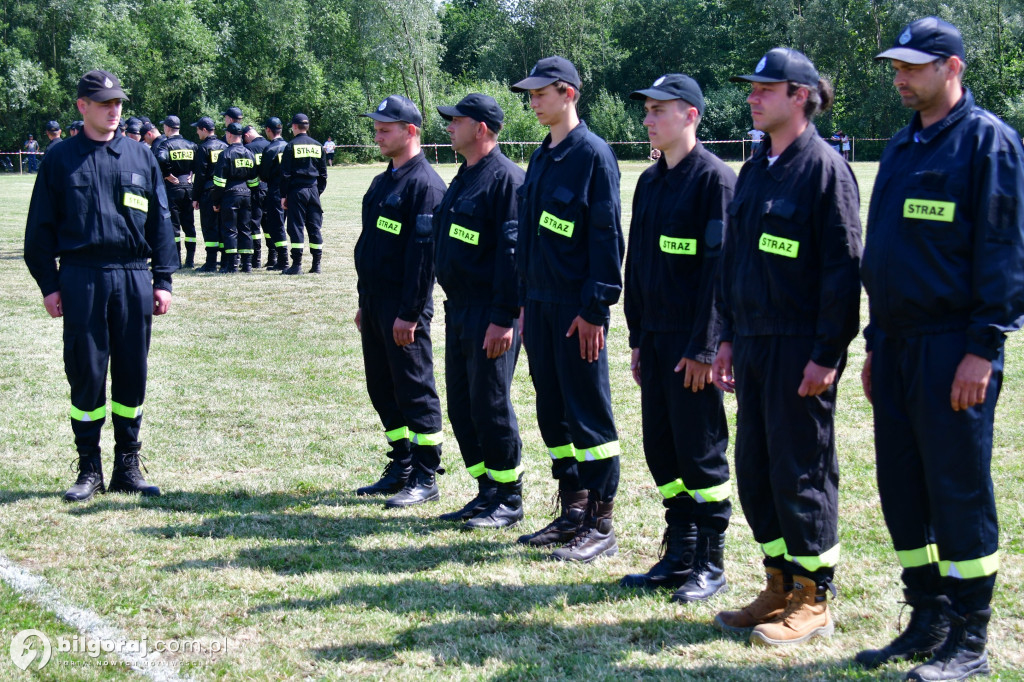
134	126
396	108
300	120
100	86
246	129
76	125
782	65
924	41
171	122
273	122
206	123
144	119
547	71
146	127
235	128
478	107
53	127
233	112
674	86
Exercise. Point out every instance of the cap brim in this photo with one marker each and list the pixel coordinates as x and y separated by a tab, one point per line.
533	83
754	78
905	54
448	113
107	95
383	118
653	94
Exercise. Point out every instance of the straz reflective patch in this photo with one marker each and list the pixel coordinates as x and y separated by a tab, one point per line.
465	235
243	163
557	225
181	155
925	209
685	247
215	154
392	226
259	159
136	202
778	245
307	151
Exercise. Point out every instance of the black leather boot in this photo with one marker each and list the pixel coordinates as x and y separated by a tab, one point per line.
247	263
391	481
271	257
505	510
90	479
421	487
573	510
678	551
925	632
257	254
315	256
229	263
127	477
190	255
281	262
296	267
211	261
596	538
486	489
962	655
708	576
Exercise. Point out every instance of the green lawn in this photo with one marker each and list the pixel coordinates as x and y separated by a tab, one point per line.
258	428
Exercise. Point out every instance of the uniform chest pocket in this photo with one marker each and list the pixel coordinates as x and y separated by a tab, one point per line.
784	228
930	205
559	212
134	192
390	218
466	223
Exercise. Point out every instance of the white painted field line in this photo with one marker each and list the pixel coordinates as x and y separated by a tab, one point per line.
88	623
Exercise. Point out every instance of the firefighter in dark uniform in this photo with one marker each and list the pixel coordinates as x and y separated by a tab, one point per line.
99	209
790	302
675	240
256	144
74	128
395	269
176	158
53	133
231	115
210	149
944	271
152	137
133	129
273	212
476	266
234	177
303	180
569	258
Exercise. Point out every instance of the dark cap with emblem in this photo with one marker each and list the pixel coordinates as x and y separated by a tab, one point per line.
924	41
300	120
133	126
171	122
674	86
235	128
547	71
247	129
100	86
146	127
76	125
273	122
53	127
206	123
782	65
396	108
483	108
233	112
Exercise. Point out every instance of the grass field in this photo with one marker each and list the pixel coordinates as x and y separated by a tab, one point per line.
258	428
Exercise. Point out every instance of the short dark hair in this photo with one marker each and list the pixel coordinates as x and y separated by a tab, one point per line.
819	98
562	86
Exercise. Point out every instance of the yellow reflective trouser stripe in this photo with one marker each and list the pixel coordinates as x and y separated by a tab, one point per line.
922	556
813	563
219	182
715	493
400	433
775	548
477	470
670	490
426	438
315	247
971	568
231	251
592	454
90	416
190	240
125	411
506	476
562	451
220	245
279	244
211	245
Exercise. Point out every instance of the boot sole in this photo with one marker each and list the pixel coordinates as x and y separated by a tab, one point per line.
645	584
467	526
683	599
610	552
400	505
759	638
982	670
91	495
722	626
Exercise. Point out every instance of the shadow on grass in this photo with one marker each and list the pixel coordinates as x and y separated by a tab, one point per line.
12	496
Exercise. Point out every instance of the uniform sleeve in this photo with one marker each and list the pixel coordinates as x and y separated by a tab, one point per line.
220	178
199	169
839	251
286	169
505	286
523	237
321	178
632	302
997	285
41	228
707	323
163	159
603	284
419	254
160	234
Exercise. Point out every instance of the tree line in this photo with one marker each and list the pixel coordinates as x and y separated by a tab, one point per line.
334	59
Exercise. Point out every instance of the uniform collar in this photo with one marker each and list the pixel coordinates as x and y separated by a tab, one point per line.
676	176
86	146
925	135
485	160
399	173
566	145
795	148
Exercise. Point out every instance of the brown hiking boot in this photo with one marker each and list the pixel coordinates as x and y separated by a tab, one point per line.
766	607
806	617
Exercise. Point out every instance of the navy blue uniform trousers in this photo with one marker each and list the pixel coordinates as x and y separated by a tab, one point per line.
305	216
108	318
274	220
234	216
183	219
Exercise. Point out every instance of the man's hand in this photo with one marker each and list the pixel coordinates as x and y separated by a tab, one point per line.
54	305
522	323
634	364
591	338
284	203
161	301
497	340
195	205
698	374
404	332
173	179
971	382
816	379
359	319
721	368
865	377
216	209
